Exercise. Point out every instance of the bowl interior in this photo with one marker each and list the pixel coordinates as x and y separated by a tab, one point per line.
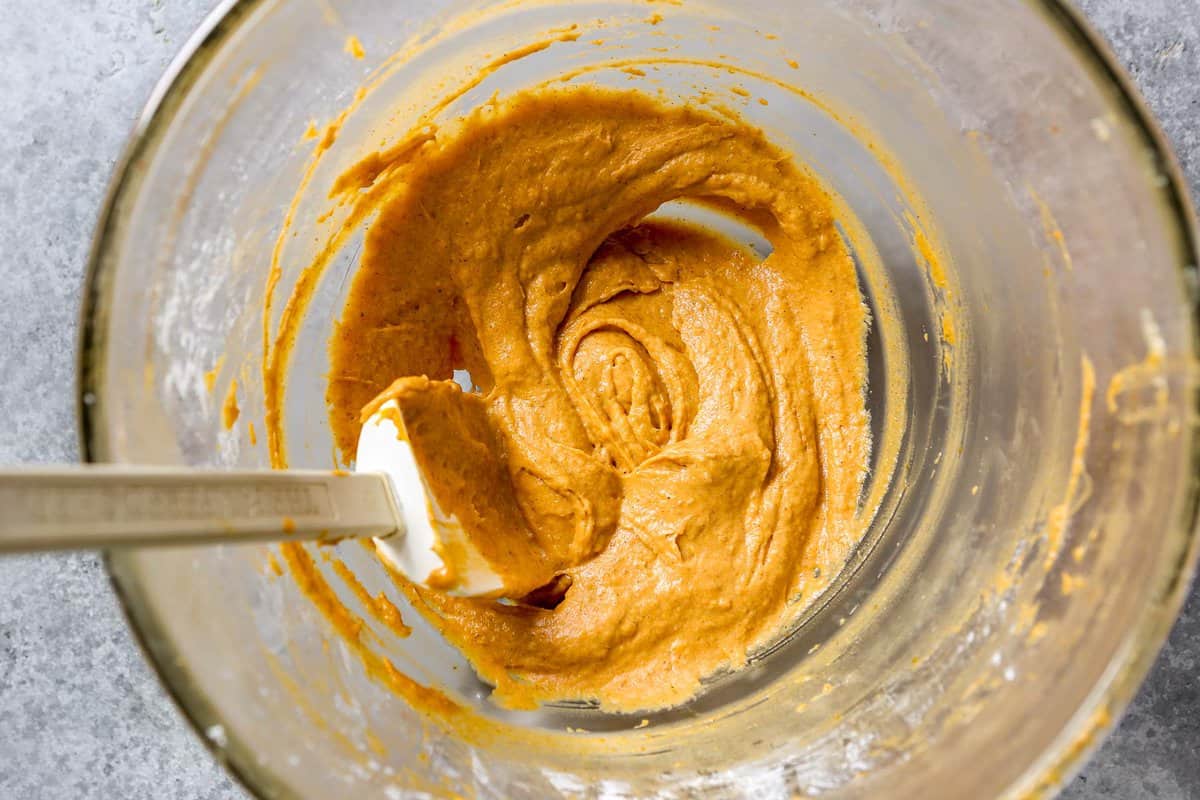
1022	245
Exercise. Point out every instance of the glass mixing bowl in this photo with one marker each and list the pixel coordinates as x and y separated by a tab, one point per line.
1025	245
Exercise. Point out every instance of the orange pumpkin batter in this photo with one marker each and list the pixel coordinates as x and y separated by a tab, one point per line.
674	432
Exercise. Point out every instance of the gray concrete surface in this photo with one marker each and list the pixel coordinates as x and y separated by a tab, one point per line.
81	715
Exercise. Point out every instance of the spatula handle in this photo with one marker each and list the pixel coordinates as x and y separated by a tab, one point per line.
60	508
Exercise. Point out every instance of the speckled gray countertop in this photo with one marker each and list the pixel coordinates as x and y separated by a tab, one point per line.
81	714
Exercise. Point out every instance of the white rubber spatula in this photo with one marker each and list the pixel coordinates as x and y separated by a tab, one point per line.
384	448
98	506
